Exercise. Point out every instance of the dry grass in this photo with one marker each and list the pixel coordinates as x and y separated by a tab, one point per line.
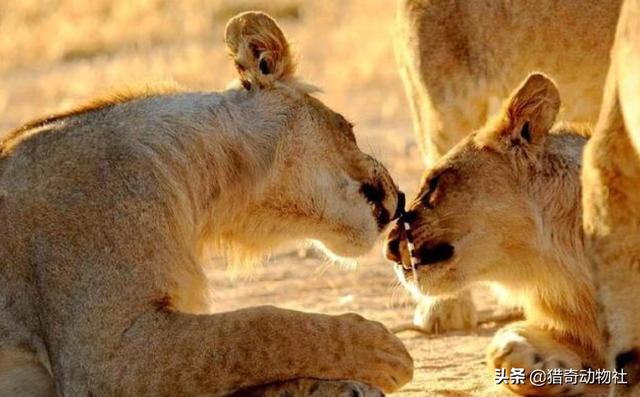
40	32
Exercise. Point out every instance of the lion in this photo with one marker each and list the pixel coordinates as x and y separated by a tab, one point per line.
458	59
503	207
107	212
611	201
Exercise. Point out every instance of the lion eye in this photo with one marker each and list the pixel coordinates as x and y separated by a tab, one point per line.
433	183
429	199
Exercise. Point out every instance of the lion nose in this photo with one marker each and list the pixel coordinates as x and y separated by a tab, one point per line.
399	206
392	248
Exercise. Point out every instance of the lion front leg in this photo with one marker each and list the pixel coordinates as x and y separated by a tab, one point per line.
171	353
439	315
520	353
311	388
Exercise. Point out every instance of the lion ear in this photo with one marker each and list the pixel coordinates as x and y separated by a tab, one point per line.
259	50
532	110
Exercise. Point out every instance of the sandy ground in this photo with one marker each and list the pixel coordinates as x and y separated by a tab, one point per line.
54	54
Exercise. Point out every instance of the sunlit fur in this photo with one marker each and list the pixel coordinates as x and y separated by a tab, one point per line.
106	212
611	200
458	59
508	201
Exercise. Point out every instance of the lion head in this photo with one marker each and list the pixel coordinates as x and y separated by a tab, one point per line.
503	197
320	185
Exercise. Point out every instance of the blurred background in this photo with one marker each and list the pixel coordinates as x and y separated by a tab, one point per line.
58	53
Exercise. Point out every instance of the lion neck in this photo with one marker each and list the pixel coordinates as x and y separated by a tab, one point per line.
219	160
561	295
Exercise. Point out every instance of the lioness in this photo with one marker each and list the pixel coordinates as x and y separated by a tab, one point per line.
611	200
459	58
105	213
503	206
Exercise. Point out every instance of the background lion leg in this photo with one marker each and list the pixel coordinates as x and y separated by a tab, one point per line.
611	200
436	132
522	345
444	108
311	388
447	101
435	315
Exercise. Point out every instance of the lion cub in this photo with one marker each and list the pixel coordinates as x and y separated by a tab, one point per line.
106	211
503	206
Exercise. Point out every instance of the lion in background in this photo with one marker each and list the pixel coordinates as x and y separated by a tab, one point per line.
611	201
106	212
458	59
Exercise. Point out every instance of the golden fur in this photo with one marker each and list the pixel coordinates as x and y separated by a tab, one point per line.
106	212
611	200
503	207
458	59
100	103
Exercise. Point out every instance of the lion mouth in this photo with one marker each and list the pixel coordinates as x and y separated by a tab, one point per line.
413	256
427	256
431	255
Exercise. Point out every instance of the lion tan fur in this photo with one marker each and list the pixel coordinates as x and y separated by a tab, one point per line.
611	200
503	207
458	59
106	212
248	34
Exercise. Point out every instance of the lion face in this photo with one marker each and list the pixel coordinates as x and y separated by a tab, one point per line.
467	217
324	188
321	186
475	218
347	196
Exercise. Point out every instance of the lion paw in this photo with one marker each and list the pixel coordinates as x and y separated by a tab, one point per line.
312	388
343	389
511	352
438	315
